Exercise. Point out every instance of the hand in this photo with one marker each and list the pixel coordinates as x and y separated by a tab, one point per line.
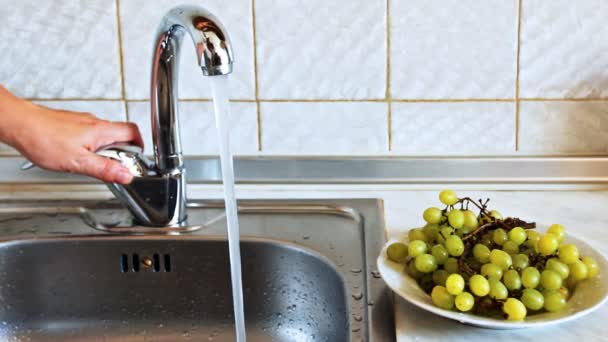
64	141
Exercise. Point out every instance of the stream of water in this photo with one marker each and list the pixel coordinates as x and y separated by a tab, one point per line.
221	106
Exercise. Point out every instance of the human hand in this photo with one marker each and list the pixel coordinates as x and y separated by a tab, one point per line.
65	141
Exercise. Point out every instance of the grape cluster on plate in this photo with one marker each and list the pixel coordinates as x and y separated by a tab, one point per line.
489	265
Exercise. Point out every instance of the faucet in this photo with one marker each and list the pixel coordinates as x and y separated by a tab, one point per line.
157	194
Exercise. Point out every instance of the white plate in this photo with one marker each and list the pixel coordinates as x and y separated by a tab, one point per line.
587	297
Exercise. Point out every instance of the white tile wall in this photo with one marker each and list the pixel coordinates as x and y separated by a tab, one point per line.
564	49
564	127
319	63
139	19
454	128
445	49
197	125
324	128
319	49
60	49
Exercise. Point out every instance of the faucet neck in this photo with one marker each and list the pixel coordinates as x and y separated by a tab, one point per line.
214	55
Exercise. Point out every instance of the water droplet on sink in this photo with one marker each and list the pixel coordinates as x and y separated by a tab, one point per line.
356	329
370	303
356	270
357	295
376	274
305	237
357	318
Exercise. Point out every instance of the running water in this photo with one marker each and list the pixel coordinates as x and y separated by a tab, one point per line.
222	114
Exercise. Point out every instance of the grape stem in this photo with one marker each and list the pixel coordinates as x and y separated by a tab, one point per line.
482	206
471	239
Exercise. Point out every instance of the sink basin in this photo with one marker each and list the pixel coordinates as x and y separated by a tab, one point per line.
305	275
82	288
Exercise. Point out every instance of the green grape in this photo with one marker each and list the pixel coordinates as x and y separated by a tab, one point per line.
520	261
448	197
532	299
426	263
578	270
470	220
558	266
464	301
515	310
500	236
533	237
456	218
440	276
554	301
442	298
481	253
426	282
491	271
464	230
416	248
550	280
486	240
547	244
444	233
431	230
397	252
593	269
412	271
530	277
568	254
432	215
564	291
454	284
510	247
451	265
416	234
500	258
512	280
495	214
440	253
497	289
479	285
518	235
557	230
454	245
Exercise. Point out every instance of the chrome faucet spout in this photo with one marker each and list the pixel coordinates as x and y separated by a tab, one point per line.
157	195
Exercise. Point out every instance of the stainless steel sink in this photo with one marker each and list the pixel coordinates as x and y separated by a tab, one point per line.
307	270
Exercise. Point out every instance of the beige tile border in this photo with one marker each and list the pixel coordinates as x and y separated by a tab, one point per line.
255	75
389	113
120	58
517	99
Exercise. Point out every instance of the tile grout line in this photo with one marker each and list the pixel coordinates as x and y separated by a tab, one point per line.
517	99
389	114
524	99
120	58
255	76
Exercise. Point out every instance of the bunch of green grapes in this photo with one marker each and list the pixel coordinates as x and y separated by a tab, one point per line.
484	264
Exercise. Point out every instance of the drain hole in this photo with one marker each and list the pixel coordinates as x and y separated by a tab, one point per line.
124	263
167	263
135	263
156	263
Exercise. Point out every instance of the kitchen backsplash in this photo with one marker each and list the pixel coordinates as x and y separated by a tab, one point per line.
338	77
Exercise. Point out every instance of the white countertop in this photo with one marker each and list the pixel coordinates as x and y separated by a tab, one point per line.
584	213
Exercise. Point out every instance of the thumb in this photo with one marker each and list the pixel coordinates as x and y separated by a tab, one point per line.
103	169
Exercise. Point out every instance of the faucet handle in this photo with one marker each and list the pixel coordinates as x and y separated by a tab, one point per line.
129	156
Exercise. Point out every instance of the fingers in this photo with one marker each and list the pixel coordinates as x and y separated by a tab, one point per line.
123	132
102	168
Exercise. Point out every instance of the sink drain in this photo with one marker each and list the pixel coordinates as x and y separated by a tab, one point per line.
133	263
